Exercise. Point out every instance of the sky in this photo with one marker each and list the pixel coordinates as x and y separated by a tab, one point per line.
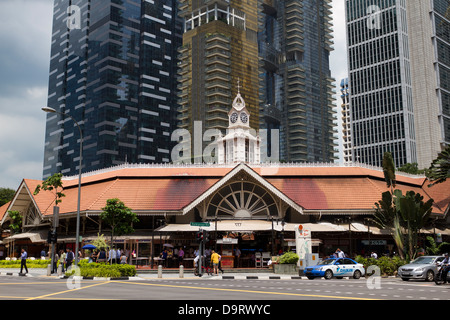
25	39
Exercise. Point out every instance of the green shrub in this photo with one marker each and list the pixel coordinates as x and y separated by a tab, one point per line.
388	266
30	263
289	258
104	270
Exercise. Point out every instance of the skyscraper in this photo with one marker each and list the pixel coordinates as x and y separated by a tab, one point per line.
113	65
380	78
429	36
399	70
280	52
346	122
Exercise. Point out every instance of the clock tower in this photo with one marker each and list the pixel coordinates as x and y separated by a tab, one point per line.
241	144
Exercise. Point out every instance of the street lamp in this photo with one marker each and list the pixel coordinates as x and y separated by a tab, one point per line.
51	110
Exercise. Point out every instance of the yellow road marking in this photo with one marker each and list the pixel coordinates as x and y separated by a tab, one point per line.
65	291
247	291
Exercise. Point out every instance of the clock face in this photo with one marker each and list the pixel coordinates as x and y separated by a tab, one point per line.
234	117
244	117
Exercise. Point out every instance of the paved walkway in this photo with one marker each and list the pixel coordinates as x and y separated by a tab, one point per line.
172	275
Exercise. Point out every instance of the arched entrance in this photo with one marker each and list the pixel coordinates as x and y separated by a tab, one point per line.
242	200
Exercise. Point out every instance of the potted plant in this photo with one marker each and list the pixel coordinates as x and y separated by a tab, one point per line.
287	264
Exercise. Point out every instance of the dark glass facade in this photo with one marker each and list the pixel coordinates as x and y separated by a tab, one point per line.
294	42
114	71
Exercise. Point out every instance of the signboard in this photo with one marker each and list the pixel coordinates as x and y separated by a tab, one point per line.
303	241
200	224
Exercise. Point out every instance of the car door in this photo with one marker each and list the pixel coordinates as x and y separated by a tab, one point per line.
349	267
339	270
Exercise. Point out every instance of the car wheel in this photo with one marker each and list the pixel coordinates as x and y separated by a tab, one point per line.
328	274
357	274
430	276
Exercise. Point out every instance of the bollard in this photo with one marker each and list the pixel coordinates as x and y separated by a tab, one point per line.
59	270
160	271
49	270
181	271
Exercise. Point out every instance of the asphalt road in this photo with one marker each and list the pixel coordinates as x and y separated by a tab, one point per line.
194	289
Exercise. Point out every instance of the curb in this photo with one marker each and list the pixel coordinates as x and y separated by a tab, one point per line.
16	274
99	278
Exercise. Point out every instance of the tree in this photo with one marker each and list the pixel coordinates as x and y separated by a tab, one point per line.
6	195
389	170
52	183
405	215
411	168
16	221
388	217
439	170
434	248
100	242
119	217
415	214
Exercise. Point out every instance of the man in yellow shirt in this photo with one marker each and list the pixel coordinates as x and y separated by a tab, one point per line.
215	261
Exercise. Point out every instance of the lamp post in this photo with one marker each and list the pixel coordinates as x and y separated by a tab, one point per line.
51	110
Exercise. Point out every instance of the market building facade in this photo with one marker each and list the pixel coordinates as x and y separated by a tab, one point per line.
254	208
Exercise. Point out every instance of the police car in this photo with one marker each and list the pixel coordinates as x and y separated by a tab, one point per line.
335	267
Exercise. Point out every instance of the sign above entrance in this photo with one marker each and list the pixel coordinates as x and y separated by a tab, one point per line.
200	224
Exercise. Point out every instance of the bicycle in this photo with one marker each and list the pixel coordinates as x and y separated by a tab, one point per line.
208	270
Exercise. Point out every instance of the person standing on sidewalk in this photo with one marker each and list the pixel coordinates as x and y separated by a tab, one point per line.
215	262
69	258
23	261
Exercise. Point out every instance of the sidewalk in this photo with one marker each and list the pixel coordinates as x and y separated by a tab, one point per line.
165	275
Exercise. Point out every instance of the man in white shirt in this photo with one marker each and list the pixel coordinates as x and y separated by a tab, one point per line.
112	255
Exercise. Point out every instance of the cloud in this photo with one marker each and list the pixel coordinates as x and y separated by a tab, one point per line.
25	37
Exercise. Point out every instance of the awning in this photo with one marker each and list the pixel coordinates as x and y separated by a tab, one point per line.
225	225
35	237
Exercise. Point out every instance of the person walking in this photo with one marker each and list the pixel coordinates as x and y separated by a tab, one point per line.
23	261
123	258
180	256
62	259
55	263
69	258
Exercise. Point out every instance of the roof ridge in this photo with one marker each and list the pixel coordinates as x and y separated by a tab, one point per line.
102	193
374	185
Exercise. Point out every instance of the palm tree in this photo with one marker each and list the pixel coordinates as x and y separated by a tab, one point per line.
439	170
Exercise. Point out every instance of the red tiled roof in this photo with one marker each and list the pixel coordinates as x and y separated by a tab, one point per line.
173	188
3	210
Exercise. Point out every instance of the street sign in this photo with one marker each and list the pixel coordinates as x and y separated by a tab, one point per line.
200	224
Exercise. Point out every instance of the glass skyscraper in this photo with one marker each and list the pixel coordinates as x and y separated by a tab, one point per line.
399	70
113	69
381	102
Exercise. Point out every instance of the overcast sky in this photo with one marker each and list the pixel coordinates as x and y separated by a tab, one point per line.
25	38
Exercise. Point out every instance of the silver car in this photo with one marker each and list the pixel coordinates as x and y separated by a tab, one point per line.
424	268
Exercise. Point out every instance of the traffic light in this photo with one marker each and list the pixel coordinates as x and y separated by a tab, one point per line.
52	237
199	235
206	236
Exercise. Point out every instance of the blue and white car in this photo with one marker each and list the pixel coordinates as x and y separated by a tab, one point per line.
335	267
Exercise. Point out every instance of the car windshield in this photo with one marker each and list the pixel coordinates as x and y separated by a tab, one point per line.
423	260
327	262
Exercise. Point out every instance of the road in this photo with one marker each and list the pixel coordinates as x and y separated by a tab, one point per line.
195	289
